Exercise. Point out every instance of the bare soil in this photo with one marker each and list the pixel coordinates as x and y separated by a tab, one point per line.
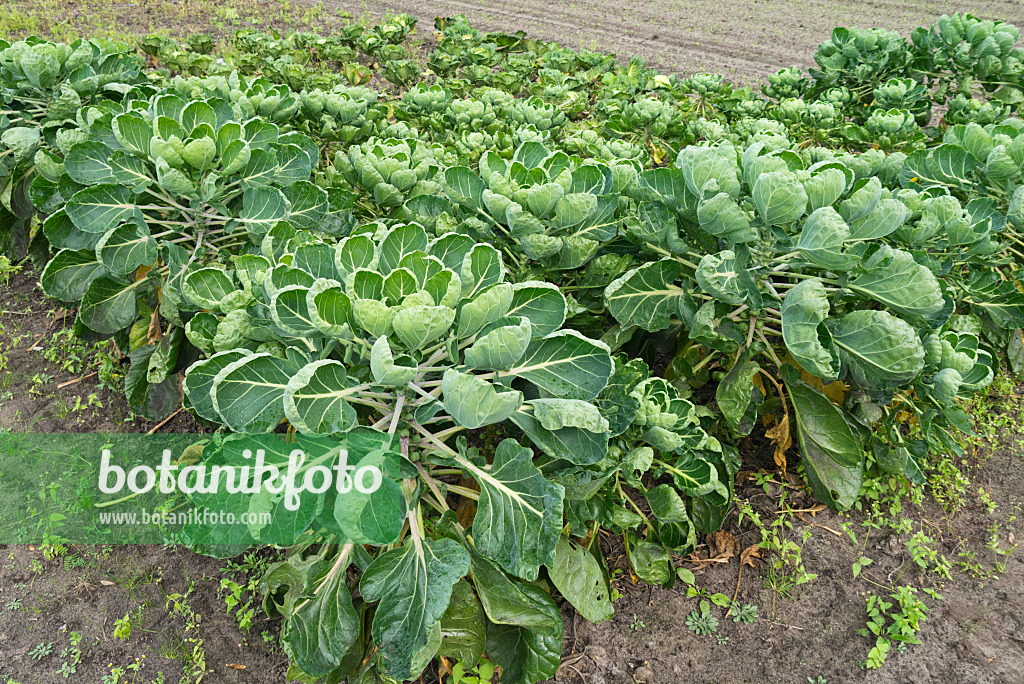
743	39
972	635
45	600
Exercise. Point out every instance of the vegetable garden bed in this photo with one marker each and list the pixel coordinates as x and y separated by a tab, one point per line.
555	298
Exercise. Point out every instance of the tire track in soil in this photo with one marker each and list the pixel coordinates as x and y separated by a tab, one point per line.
743	40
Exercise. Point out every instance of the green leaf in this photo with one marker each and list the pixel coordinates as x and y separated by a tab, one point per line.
315	399
579	578
316	259
388	369
481	268
101	207
779	198
526	657
452	249
949	166
646	296
807	338
500	344
488	306
133	133
418	326
463	627
293	164
822	238
833	461
151	401
512	602
718	275
826	185
88	163
196	113
540	302
887	216
570	442
262	207
722	217
247	394
198	385
110	304
259	170
892	277
207	287
519	514
879	351
737	392
353	253
373	517
126	247
130	171
309	204
567	364
174	181
63	234
329	307
199	154
399	242
321	628
473	402
413	584
650	562
464	187
1015	352
675	527
862	200
289	311
68	274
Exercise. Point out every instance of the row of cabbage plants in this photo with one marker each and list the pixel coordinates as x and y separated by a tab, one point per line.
546	293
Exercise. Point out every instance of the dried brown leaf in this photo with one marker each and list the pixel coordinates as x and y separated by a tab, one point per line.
782	438
748	555
723	545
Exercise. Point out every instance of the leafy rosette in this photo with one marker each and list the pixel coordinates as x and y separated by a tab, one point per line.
346	114
659	452
159	187
391	335
390	171
807	265
43	86
556	209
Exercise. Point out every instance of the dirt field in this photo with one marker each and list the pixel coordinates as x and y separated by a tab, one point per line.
743	39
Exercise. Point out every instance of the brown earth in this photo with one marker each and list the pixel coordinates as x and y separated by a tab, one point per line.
972	635
744	39
85	590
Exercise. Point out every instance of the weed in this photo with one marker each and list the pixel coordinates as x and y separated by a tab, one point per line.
71	657
7	269
41	650
860	564
889	622
483	672
702	623
922	550
785	569
637	624
747	614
